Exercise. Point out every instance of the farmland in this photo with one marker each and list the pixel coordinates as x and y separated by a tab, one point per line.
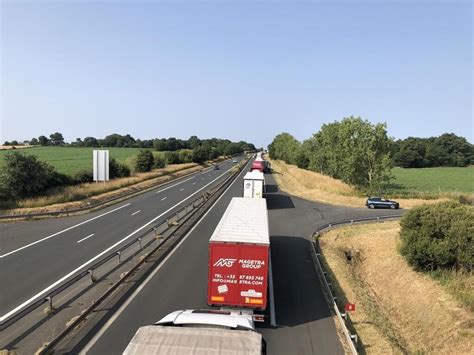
432	181
70	160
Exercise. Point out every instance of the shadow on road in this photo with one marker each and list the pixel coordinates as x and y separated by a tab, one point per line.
270	189
298	293
278	201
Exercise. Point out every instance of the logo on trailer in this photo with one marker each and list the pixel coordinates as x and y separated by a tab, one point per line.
225	262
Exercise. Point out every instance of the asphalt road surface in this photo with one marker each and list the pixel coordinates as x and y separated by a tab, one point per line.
35	255
304	323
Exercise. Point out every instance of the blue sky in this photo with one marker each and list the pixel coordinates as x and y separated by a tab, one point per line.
235	69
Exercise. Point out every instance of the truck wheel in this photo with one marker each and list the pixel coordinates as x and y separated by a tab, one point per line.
371	206
392	207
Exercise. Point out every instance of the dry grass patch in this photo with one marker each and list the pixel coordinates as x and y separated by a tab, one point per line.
398	309
317	187
72	197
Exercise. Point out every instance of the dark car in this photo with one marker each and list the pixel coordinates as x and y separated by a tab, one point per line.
378	202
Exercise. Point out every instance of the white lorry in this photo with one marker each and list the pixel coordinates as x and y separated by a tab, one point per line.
254	184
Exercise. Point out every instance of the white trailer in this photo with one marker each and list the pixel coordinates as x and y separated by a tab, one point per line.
254	184
194	332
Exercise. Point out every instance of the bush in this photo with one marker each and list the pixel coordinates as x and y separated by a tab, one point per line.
26	176
118	170
144	161
172	158
83	176
186	156
200	154
438	236
159	162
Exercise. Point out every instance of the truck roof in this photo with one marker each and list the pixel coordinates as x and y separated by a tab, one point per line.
244	221
155	339
254	175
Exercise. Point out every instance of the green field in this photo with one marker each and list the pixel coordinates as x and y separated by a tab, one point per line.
70	160
432	180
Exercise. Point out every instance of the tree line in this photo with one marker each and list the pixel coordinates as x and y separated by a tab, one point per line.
222	146
362	154
26	176
445	150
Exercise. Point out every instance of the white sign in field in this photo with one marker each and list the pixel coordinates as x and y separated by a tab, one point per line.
101	165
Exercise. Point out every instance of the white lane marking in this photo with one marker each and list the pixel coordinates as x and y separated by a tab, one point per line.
60	232
169	187
181	189
81	240
194	183
136	212
65	277
164	198
129	300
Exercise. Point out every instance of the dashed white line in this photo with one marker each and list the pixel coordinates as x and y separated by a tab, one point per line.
107	325
194	183
169	187
164	198
60	232
136	212
81	240
90	261
181	189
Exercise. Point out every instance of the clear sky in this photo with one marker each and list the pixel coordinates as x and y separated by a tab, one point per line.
234	69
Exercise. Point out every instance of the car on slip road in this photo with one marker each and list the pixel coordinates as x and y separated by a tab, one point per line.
378	202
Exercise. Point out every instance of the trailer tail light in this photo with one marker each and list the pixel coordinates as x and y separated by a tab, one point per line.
258	318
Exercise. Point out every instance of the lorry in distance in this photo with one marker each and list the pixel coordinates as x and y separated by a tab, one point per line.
254	184
239	256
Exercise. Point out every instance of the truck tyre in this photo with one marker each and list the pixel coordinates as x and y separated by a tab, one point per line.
392	207
371	206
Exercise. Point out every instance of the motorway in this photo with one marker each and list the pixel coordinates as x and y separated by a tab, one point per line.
37	255
303	318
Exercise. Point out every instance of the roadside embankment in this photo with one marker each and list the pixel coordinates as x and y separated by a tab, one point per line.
92	194
397	308
317	187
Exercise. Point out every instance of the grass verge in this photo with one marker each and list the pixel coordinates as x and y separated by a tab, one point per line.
397	309
317	187
90	194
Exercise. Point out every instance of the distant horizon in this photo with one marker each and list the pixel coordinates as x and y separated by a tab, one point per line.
239	70
202	138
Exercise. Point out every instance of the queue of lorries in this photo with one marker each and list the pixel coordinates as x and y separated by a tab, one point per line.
239	266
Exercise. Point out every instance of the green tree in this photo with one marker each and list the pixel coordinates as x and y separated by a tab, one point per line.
26	176
56	138
144	161
43	140
34	141
353	150
201	154
91	142
284	147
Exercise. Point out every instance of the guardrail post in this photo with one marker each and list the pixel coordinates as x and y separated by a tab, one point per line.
354	338
329	225
140	242
119	256
91	273
352	221
50	309
378	219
